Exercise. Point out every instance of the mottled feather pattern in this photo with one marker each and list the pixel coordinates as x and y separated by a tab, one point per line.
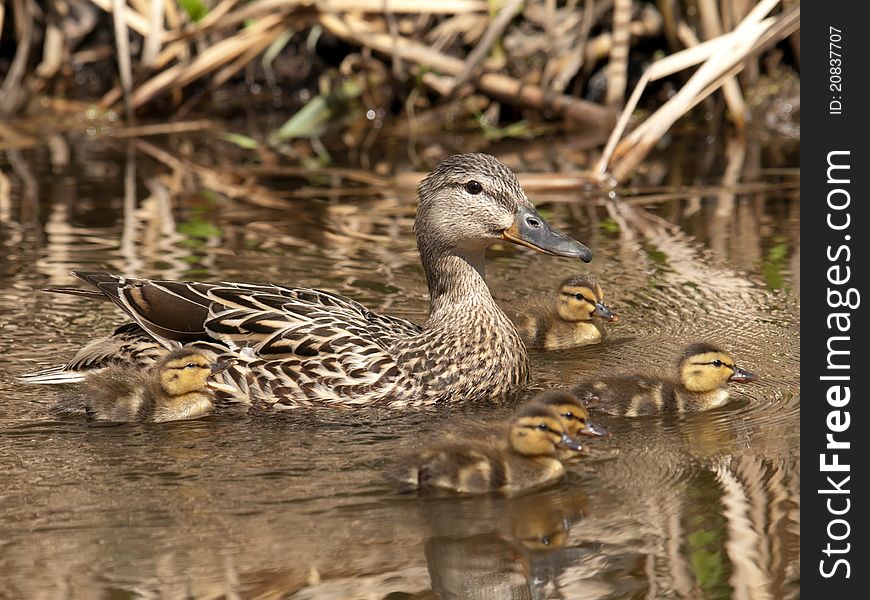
301	346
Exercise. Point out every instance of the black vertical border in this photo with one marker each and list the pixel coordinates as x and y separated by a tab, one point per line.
822	133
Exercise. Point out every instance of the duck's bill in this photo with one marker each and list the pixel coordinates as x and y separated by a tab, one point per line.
605	313
529	229
741	376
568	442
594	429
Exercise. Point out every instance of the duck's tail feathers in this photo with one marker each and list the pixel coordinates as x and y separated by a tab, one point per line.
52	376
77	292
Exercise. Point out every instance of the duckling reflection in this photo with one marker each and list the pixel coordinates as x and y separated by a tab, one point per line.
525	460
519	559
566	320
702	374
174	388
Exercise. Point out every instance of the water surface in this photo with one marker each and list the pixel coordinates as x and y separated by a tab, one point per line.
295	505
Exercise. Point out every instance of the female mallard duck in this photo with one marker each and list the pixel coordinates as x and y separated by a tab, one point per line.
298	346
566	320
522	460
703	372
176	387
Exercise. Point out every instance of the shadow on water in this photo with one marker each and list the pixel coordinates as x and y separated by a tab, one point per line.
296	505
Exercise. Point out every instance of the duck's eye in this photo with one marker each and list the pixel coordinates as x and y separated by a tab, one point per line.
191	365
717	363
473	187
543	427
568	415
580	297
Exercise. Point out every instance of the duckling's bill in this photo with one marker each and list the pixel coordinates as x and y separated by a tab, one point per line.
742	376
568	442
595	430
603	312
531	230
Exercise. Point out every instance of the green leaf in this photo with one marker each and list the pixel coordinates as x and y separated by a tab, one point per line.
775	263
198	228
242	141
196	9
311	120
608	225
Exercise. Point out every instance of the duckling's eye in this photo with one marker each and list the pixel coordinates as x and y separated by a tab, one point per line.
473	187
580	297
568	415
543	427
717	363
191	365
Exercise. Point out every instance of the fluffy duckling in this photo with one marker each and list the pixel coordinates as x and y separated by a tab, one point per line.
572	413
703	372
525	460
573	416
565	321
174	388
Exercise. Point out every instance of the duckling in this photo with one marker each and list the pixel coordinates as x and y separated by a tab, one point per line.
566	320
522	460
573	416
174	388
572	413
702	374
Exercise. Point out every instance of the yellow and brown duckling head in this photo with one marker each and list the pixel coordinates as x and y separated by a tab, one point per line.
580	298
537	430
572	413
185	371
706	368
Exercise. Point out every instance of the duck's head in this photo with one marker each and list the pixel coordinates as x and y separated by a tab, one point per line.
184	371
581	298
706	368
572	413
470	201
537	430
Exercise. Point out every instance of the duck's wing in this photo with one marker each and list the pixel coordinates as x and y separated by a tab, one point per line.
167	310
128	345
288	344
294	349
178	310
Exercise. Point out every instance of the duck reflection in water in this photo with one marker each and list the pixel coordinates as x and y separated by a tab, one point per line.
524	550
